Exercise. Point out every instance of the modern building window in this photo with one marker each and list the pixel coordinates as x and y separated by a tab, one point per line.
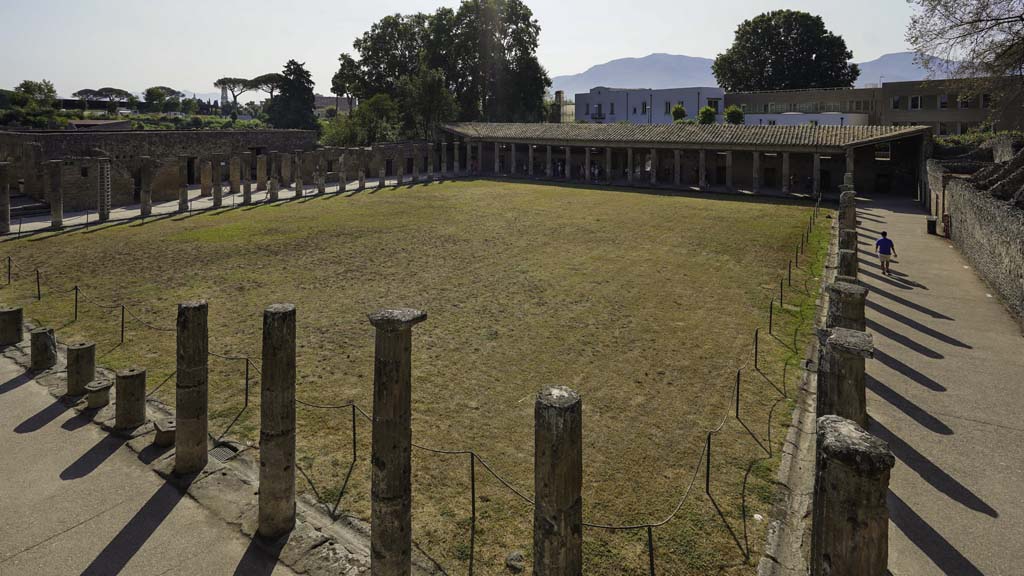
986	100
883	151
897	103
943	101
915	102
771	122
714	103
599	105
668	107
965	102
85	172
643	107
588	108
611	107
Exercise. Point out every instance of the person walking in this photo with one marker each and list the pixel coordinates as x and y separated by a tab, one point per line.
886	250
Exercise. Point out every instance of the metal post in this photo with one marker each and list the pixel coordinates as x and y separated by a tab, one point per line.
757	337
39	288
771	314
122	323
707	468
76	302
738	394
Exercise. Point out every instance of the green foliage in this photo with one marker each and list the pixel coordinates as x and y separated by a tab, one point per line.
785	50
345	82
269	83
42	92
190	106
706	115
678	113
734	115
425	103
975	138
293	107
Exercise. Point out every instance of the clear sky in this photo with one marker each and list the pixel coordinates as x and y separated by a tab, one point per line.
187	44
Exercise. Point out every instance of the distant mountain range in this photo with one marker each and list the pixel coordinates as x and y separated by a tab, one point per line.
677	71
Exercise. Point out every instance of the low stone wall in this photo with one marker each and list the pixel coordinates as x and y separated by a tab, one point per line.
990	233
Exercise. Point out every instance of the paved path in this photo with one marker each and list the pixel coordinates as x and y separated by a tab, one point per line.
946	391
76	501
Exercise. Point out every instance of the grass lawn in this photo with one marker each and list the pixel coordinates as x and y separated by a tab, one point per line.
644	303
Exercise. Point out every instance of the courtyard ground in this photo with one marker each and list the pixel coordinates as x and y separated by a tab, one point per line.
645	303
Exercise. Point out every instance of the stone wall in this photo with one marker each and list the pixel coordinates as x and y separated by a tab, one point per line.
990	233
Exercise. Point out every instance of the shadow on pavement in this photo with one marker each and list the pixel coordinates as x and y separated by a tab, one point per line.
903	339
907	371
909	304
929	472
14	383
910	322
927	540
260	557
116	555
906	406
43	417
92	459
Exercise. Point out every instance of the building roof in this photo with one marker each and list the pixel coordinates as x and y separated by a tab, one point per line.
724	136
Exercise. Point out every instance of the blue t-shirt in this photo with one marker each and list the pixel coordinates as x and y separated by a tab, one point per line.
884	246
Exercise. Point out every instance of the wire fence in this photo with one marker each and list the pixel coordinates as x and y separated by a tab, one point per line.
704	460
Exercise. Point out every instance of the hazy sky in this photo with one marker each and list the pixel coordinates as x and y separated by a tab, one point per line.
187	44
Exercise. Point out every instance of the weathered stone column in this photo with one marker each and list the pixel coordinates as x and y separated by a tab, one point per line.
145	186
205	179
728	170
5	198
11	325
848	239
850	533
547	165
182	183
497	158
277	422
455	150
234	175
246	178
261	172
44	349
817	175
586	164
848	210
785	172
677	168
382	171
841	376
130	408
529	160
702	171
480	158
558	483
218	183
444	160
654	166
321	172
191	401
273	190
756	171
342	176
300	173
400	168
81	366
391	505
846	306
286	170
55	193
850	163
608	165
629	165
568	163
512	163
361	172
848	263
431	152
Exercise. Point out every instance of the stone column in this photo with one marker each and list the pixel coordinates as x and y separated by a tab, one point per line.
629	166
5	198
568	163
848	210
277	422
300	173
817	175
321	172
11	325
44	349
756	172
785	172
382	171
608	165
218	182
400	168
497	158
547	165
246	177
848	239
480	158
191	401
391	505
205	178
586	166
846	306
361	171
455	150
431	153
81	366
286	170
558	483
342	176
234	175
677	168
702	171
841	374
55	193
145	186
130	407
728	170
654	166
182	183
848	263
444	160
850	534
261	172
529	160
850	163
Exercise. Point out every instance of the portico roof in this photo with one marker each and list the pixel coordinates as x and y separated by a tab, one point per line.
693	136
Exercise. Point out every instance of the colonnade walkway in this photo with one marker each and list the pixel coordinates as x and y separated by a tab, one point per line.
78	501
946	391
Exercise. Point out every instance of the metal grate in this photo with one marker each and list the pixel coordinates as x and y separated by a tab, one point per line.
223	452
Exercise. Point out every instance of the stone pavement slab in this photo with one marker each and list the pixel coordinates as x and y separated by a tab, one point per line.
946	391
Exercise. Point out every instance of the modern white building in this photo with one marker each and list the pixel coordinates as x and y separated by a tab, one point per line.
802	118
603	105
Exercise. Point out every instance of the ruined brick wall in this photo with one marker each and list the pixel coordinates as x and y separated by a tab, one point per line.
80	184
990	233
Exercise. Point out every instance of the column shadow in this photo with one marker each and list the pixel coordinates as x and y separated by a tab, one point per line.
928	540
260	558
92	459
909	304
15	383
904	340
916	325
43	417
929	472
904	370
116	555
915	412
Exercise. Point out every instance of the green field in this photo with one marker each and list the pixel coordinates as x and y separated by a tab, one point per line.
644	303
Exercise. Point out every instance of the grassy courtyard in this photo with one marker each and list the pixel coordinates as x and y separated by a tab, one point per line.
646	304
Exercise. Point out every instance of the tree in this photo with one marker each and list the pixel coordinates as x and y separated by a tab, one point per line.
346	80
678	113
114	94
190	106
42	93
706	115
388	51
377	120
156	96
734	115
980	42
268	83
426	103
293	107
784	50
236	87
